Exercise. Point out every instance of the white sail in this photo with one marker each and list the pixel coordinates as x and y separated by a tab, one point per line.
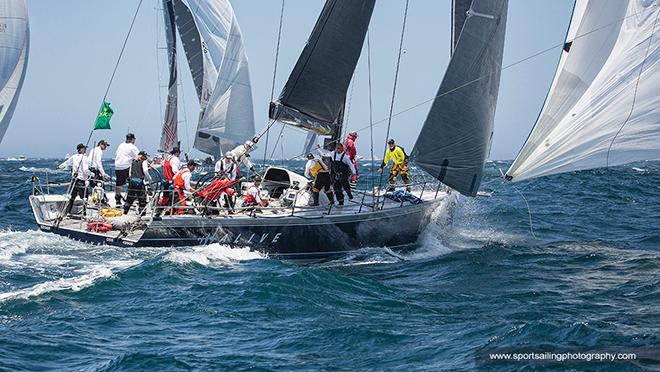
213	43
603	108
14	49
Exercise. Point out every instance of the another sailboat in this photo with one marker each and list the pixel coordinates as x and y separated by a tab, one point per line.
313	99
603	108
14	50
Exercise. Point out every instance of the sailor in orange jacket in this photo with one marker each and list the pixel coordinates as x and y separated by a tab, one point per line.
182	184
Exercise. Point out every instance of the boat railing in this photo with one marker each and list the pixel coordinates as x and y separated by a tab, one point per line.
368	200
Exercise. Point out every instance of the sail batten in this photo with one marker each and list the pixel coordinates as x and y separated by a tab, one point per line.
603	107
218	62
455	139
14	52
325	68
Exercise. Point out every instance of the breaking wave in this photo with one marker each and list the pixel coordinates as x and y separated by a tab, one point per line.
206	255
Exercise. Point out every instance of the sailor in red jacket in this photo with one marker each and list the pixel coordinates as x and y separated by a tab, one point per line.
351	151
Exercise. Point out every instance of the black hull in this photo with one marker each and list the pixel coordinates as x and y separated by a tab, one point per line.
288	237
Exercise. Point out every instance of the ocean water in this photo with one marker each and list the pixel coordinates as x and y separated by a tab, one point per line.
585	274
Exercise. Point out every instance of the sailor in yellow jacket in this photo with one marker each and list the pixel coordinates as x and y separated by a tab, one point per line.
399	160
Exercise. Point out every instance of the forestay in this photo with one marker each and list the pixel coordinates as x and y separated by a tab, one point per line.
313	97
603	108
213	44
455	139
14	50
169	137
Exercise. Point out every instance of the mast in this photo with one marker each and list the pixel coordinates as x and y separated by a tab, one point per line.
455	139
314	96
14	52
169	136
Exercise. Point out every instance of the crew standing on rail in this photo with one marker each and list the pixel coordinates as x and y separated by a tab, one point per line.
341	171
124	156
138	173
80	172
183	186
351	151
316	168
399	160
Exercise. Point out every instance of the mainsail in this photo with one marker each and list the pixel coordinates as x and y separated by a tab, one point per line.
459	9
603	107
455	139
14	50
325	68
213	43
169	137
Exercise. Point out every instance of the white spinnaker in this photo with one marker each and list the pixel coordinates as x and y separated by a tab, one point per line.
604	105
14	48
226	95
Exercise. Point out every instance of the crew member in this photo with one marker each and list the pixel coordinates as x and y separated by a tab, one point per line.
341	170
228	166
241	154
80	173
399	160
351	151
171	166
182	184
316	168
253	195
138	172
96	161
124	156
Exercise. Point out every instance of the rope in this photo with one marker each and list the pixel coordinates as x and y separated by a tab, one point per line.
634	101
396	79
121	53
529	210
272	88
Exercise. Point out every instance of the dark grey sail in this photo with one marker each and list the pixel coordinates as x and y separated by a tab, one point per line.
459	10
314	95
169	136
455	139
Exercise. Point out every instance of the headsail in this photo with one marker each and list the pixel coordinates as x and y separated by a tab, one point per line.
456	136
213	43
169	137
325	68
14	50
603	107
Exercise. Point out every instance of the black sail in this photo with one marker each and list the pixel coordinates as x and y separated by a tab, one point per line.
455	139
314	95
459	10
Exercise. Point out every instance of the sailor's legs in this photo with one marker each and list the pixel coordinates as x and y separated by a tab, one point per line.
121	176
340	186
399	170
138	193
78	190
322	182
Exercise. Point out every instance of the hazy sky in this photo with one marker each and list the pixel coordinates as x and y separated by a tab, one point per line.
75	43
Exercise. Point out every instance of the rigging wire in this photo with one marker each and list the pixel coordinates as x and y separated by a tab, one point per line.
121	53
396	79
371	110
634	100
272	88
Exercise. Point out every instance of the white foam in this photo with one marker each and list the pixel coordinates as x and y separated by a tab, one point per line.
41	170
214	252
74	284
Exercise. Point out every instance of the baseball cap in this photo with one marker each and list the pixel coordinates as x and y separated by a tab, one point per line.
103	142
80	146
130	136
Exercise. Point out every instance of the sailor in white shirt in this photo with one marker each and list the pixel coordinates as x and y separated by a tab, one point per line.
241	154
308	166
80	174
227	166
124	156
96	160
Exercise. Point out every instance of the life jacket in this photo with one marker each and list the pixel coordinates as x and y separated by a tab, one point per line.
168	172
249	198
136	169
318	168
178	179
